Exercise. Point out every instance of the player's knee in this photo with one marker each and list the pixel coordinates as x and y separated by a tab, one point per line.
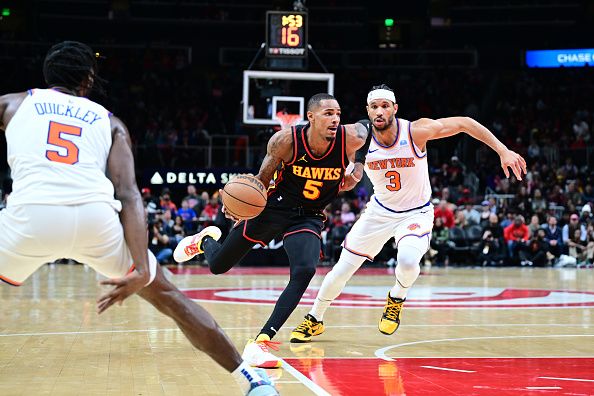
409	258
217	266
303	273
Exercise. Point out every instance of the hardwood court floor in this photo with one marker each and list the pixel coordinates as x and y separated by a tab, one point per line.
517	331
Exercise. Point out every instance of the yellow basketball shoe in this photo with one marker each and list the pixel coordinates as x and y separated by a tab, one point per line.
308	328
390	320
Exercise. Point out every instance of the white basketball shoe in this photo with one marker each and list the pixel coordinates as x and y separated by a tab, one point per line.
256	353
191	246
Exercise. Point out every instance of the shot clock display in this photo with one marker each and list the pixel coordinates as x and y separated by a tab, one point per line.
286	34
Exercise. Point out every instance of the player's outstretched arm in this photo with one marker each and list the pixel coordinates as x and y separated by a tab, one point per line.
426	129
358	139
120	165
279	150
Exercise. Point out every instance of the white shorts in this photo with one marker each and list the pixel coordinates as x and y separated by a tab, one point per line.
32	235
377	225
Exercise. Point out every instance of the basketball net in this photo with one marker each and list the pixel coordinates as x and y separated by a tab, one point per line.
287	120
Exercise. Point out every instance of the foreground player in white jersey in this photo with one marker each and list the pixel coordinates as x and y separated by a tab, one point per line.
60	146
396	164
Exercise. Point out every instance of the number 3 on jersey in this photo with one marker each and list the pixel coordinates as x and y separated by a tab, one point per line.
54	137
394	183
312	189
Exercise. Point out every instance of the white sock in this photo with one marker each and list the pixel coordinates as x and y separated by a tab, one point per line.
319	308
245	375
408	268
335	281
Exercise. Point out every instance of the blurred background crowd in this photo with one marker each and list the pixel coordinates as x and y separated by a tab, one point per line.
176	80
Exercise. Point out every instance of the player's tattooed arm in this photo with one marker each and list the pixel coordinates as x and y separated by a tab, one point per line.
280	149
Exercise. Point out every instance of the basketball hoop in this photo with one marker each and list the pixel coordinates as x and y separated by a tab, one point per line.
287	120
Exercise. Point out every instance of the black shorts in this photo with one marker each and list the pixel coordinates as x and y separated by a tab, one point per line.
273	222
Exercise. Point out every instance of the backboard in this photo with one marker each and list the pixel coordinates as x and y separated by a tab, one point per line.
267	93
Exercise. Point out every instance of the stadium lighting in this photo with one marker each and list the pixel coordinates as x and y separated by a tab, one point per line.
5	12
389	22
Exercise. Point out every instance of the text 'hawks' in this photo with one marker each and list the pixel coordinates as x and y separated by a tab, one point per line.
391	163
311	172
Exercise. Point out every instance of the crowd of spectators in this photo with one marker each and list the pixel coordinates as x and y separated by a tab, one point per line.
173	106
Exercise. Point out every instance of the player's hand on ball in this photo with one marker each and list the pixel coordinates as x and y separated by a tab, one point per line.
513	160
349	183
124	287
227	214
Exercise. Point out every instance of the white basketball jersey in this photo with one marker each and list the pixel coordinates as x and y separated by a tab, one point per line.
399	172
58	146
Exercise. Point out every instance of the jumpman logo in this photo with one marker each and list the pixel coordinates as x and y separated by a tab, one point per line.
302	158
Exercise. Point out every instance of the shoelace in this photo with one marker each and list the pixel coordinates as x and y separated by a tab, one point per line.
264	345
306	327
393	309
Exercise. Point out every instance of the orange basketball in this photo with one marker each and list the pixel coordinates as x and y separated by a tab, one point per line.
244	197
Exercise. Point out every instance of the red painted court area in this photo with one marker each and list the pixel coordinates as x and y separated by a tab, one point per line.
451	376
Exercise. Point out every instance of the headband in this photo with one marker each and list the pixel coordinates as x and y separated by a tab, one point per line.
381	94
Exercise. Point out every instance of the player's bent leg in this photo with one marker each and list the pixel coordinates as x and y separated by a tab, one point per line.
204	333
221	257
303	249
410	252
333	284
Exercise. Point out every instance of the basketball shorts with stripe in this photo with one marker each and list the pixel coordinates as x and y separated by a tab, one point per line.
377	225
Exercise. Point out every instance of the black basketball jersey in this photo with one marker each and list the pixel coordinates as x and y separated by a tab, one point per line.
307	181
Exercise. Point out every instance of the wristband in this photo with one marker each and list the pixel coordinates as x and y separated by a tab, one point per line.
353	176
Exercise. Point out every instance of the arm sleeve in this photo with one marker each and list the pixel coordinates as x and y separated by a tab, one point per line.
362	152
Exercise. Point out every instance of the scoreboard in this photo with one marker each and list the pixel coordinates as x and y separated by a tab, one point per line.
286	34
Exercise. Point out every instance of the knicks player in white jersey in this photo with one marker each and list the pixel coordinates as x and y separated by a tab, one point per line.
396	163
60	148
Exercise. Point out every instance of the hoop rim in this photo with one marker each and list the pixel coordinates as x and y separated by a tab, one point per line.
287	119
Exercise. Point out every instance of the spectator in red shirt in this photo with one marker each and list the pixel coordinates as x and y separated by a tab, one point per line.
446	214
517	236
211	209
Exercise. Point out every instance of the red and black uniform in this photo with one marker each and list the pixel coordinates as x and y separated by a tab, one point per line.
301	190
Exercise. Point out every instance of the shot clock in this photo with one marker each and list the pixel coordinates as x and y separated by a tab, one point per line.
286	34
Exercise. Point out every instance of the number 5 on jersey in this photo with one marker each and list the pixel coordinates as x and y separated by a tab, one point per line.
311	190
54	137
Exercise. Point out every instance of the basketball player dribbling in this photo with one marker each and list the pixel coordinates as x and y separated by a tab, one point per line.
309	162
60	146
395	158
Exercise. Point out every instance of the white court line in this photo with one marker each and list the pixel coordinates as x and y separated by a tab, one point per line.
286	328
381	353
568	379
448	369
543	387
312	386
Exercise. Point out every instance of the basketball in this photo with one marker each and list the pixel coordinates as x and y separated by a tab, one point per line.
244	197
